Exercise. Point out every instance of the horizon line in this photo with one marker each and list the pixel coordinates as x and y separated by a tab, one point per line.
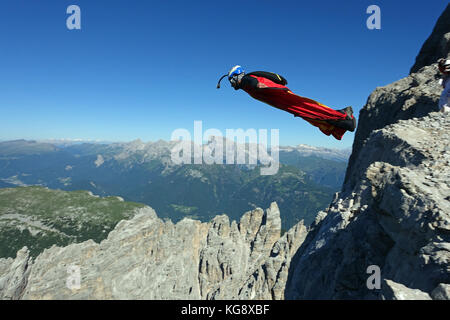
101	141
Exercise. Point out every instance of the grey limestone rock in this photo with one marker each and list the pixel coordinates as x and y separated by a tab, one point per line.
14	275
396	291
147	258
394	208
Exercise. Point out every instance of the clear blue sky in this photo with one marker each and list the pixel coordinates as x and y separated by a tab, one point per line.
141	69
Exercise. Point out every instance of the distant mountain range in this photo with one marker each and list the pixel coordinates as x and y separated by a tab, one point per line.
386	235
304	150
143	172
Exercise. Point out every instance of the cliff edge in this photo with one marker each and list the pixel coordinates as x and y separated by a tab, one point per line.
393	213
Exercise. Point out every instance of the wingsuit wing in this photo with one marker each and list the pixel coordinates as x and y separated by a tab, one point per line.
281	97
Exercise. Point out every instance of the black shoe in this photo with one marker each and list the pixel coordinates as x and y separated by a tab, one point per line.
353	124
348	111
349	124
350	121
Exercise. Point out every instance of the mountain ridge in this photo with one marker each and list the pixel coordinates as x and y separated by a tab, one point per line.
143	172
153	259
393	213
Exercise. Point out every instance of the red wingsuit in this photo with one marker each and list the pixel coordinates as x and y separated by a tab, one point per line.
270	88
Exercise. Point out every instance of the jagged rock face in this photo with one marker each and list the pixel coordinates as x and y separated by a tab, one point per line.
437	45
396	217
394	208
396	291
413	96
393	212
14	275
147	258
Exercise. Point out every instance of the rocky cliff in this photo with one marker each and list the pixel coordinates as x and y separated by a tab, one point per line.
147	258
394	209
392	215
437	45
